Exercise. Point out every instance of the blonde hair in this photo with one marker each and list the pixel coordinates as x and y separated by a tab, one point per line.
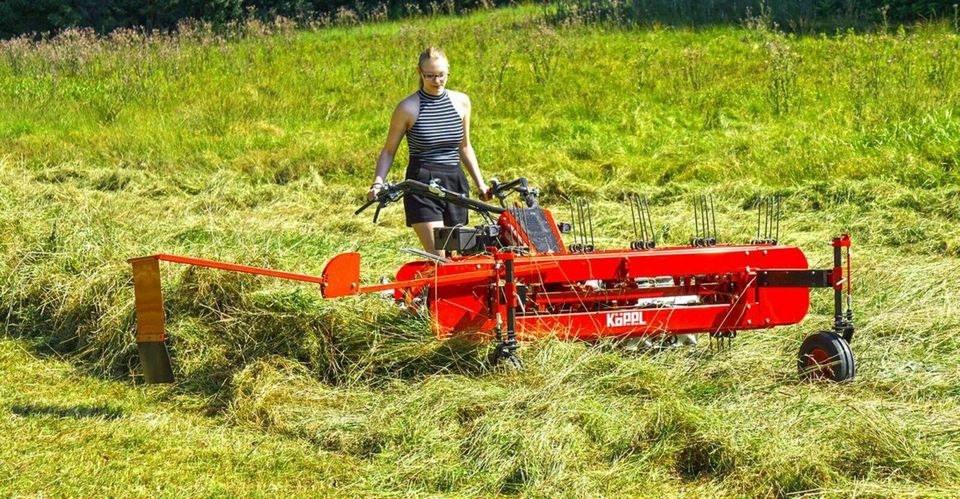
430	53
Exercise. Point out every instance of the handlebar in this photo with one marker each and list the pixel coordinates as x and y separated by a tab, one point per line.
392	192
520	186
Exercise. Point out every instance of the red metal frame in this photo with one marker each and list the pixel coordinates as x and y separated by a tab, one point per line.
720	279
587	296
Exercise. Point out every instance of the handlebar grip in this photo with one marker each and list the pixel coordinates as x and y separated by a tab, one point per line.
365	206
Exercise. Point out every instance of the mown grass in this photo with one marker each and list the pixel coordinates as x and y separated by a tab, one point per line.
255	148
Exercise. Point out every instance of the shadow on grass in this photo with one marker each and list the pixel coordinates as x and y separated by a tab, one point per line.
65	412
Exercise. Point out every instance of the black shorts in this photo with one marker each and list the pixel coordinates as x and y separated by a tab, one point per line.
419	209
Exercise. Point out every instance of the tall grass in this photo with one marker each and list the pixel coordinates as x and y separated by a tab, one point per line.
255	147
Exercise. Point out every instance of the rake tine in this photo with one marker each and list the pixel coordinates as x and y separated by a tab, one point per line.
581	209
653	235
779	214
696	219
586	215
713	214
773	215
643	228
590	218
643	225
763	203
766	218
705	219
759	204
573	218
576	234
633	218
643	220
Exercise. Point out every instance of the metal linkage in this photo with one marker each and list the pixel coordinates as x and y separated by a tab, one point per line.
583	218
704	222
769	212
645	238
842	321
506	299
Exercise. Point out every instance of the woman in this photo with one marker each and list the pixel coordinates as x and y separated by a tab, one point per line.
436	122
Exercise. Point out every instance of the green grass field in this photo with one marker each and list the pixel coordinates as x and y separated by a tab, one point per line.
255	146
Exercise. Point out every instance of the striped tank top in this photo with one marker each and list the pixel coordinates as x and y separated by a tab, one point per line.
436	134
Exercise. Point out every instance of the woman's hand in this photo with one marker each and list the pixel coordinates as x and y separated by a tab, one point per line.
374	190
485	194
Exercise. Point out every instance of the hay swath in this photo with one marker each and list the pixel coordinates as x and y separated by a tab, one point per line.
514	278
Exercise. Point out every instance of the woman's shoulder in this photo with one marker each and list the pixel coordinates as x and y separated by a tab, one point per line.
410	104
459	97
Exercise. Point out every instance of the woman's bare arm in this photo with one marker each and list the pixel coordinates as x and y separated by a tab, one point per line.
467	154
399	123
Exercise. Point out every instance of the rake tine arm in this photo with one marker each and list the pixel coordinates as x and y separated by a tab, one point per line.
573	220
713	214
779	214
642	213
704	218
590	218
759	204
766	217
696	221
633	218
653	234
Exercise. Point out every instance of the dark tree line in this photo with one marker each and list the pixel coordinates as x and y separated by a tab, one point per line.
37	16
789	14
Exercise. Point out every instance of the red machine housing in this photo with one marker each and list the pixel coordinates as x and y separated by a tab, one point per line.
623	293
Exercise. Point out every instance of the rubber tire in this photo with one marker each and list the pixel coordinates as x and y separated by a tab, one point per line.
825	348
512	363
507	362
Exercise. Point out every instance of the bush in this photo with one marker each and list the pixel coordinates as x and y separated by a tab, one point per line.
796	14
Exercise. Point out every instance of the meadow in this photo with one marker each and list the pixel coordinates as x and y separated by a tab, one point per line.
255	144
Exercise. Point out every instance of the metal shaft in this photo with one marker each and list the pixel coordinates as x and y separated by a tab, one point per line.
713	215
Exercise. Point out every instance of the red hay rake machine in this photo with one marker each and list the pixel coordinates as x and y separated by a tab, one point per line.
512	278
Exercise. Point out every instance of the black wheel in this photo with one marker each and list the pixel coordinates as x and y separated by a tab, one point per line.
825	355
512	363
503	357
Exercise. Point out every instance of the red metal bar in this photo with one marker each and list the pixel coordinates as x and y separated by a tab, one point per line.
590	296
475	276
452	279
200	262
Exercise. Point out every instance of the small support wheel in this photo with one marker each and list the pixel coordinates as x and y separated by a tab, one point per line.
825	355
504	355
